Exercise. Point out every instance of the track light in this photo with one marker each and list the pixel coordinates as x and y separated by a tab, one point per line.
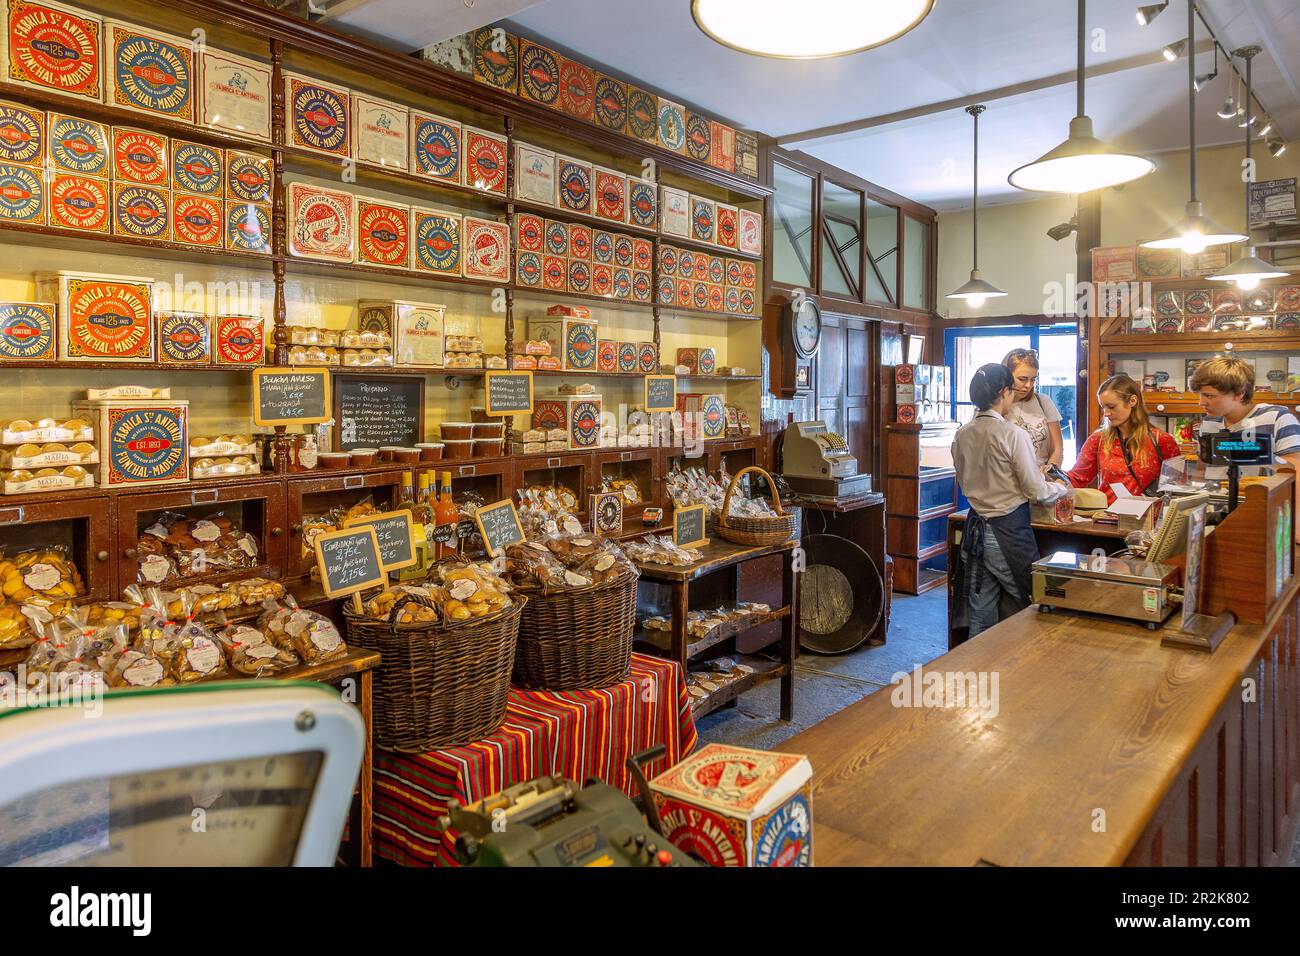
1268	127
1276	147
1149	12
1229	108
1063	229
1174	50
1247	122
1204	79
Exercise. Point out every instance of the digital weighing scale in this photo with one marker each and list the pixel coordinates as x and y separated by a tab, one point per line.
240	773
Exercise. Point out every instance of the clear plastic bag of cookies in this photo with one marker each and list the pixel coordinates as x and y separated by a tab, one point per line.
197	655
313	637
251	653
607	564
253	591
100	643
138	668
40	572
530	565
413	603
103	613
470	592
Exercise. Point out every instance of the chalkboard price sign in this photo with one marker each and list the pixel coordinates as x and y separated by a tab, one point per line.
395	531
509	393
370	412
349	561
660	393
499	525
688	526
299	396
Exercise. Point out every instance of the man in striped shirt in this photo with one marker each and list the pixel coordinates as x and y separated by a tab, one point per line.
1227	390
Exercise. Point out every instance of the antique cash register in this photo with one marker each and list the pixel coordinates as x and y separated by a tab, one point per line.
816	462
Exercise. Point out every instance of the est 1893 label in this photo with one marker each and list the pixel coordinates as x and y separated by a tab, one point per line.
139	156
382	234
146	444
26	330
183	337
248	177
79	202
197	220
22	134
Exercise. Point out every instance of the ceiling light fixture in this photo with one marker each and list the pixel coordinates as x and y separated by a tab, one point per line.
1276	148
1149	12
1229	108
1204	79
976	290
1268	128
1082	163
809	30
1194	232
1248	270
1174	50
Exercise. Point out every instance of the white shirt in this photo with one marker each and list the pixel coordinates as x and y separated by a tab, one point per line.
996	468
1034	415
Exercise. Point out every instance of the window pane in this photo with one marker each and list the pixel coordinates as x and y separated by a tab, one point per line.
916	260
1057	375
842	227
792	231
882	246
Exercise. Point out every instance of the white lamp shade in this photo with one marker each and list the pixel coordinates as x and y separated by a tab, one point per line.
1080	164
809	29
1194	232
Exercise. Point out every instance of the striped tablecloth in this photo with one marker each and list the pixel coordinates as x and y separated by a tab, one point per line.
577	734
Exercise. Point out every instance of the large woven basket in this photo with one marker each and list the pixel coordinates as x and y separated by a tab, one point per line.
756	532
577	640
437	685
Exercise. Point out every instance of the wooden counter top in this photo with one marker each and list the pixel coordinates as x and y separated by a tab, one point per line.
1078	527
1092	714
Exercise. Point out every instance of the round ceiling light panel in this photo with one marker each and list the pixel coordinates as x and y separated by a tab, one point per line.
809	29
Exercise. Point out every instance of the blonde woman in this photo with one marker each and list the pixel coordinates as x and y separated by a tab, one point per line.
1127	450
1033	411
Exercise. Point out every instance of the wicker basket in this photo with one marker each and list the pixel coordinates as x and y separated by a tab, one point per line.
756	532
436	685
577	640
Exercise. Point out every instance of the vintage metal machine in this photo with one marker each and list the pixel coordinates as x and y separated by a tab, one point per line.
1129	588
816	462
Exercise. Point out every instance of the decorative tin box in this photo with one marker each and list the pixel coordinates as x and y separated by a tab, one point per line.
539	74
26	331
716	297
235	95
496	58
667	262
381	132
555	273
579	342
382	234
1159	263
435	240
686	264
699	137
642	284
573	189
317	116
582	418
141	211
602	279
610	103
627	357
557	238
142	443
197	220
49	46
22	194
238	340
723	153
22	135
184	337
728	231
484	160
534	174
684	289
1114	264
749	234
610	194
79	146
530	233
672	126
79	202
701	361
197	169
149	72
435	147
642	115
248	227
643	254
622	283
602	246
704	217
577	90
528	269
674	212
486	249
102	318
749	276
699	294
731	299
140	156
606	355
580	238
714	270
667	291
747	153
623	250
549	414
642	203
321	223
248	176
732	806
647	357
579	279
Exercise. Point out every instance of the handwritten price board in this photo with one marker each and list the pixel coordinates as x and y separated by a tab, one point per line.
395	531
499	525
349	561
509	393
299	396
688	526
660	393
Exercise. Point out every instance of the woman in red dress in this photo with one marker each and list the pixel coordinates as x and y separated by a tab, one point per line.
1127	450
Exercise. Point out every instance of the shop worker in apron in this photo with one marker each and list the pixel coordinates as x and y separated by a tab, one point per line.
998	473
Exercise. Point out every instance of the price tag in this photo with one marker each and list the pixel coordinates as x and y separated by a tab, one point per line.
395	531
300	396
660	393
499	525
349	561
688	526
509	393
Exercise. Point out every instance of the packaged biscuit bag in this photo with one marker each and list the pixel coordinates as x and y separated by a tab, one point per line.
468	591
197	655
251	653
313	637
99	643
41	572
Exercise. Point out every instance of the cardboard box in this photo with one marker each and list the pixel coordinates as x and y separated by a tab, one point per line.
317	115
198	220
642	203
102	318
79	146
184	337
26	331
1134	514
238	340
747	153
37	34
557	238
150	72
573	184
580	238
383	233
610	103
528	269
381	132
484	160
248	227
534	174
610	194
22	135
142	443
436	147
197	169
486	249
235	95
436	241
79	202
22	194
418	329
322	223
582	419
748	303
723	154
248	176
1060	511
732	806
674	212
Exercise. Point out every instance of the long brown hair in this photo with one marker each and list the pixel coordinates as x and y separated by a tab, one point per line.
1017	356
1139	438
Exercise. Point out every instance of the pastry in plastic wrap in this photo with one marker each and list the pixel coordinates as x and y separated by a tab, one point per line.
40	572
421	610
251	653
469	592
197	655
311	636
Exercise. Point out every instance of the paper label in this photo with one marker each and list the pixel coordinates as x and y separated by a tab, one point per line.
325	637
203	655
155	568
145	672
236	95
260	651
205	531
41	577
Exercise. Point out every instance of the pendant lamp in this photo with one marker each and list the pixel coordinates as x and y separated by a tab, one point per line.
976	290
1082	163
810	29
1248	270
1195	231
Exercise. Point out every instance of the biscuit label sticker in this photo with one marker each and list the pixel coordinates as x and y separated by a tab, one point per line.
139	157
54	49
22	137
197	220
79	203
437	149
236	95
152	75
196	168
26	330
146	444
140	211
182	337
108	320
320	117
249	178
79	146
22	194
437	243
383	234
248	227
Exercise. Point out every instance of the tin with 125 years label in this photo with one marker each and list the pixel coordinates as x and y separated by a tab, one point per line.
184	337
102	318
436	241
26	331
152	72
50	46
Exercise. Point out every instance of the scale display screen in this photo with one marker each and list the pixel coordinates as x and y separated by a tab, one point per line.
244	812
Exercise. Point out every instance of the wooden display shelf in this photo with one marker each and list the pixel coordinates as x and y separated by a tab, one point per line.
1183	402
764	671
640	375
716	634
54	237
708	314
696	245
609	302
148	366
380	177
582	218
332	270
1242	341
